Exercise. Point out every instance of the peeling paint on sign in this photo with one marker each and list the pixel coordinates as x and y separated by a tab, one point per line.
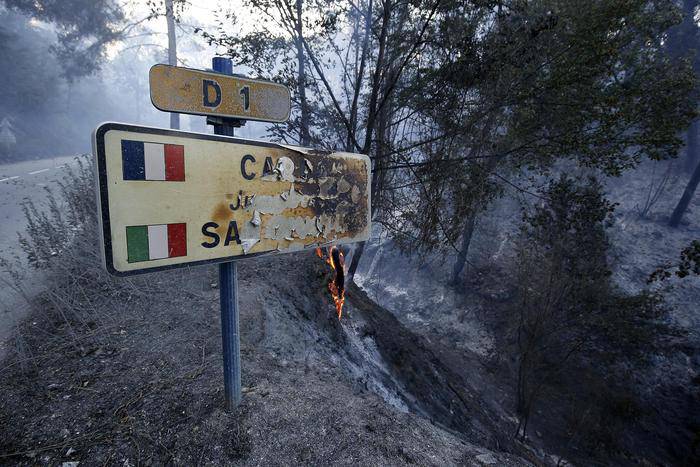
236	198
184	90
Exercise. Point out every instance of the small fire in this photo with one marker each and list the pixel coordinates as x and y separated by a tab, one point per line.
336	286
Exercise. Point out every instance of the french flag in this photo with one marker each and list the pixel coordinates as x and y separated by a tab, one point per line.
149	242
153	161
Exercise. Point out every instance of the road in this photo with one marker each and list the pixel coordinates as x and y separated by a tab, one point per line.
21	181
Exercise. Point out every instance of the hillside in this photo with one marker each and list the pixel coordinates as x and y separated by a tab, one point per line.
142	383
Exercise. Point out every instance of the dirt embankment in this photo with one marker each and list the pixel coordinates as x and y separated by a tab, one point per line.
140	382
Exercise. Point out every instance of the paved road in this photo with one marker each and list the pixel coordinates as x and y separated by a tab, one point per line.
18	182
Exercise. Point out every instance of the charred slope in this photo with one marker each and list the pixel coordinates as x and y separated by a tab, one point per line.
143	385
411	372
435	380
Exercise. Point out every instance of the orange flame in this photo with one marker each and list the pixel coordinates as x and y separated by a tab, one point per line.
337	285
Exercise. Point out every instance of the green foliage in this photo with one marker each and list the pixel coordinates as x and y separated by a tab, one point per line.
683	39
570	316
689	264
84	29
511	88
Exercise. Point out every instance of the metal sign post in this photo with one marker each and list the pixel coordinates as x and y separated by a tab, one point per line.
228	289
168	199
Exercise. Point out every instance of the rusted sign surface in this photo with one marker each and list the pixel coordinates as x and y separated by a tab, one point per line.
184	90
169	198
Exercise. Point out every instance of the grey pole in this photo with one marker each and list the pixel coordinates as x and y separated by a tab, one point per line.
172	53
228	288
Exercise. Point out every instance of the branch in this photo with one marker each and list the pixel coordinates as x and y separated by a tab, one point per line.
319	71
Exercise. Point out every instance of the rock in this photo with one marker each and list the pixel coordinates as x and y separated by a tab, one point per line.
487	459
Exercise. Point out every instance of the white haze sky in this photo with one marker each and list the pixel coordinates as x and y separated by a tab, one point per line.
193	52
199	13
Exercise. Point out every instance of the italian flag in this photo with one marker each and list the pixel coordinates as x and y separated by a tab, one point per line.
153	161
148	242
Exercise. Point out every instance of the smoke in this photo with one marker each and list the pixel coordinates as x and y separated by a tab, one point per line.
50	115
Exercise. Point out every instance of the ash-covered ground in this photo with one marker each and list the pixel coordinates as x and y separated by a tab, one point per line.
471	317
141	384
418	371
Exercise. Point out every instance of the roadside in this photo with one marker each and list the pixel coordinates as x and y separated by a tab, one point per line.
20	181
143	383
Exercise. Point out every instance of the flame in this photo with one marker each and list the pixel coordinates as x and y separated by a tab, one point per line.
336	286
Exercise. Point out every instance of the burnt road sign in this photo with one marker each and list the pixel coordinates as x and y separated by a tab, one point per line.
184	90
170	198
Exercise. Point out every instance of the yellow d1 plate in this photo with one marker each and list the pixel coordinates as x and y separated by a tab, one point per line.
170	198
184	90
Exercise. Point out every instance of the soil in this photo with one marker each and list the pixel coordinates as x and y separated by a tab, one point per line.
470	319
142	383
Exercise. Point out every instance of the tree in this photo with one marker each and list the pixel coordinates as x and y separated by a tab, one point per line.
453	100
683	42
172	52
569	318
275	48
368	46
683	203
509	88
82	38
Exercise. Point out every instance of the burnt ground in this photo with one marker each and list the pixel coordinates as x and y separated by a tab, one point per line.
139	382
657	407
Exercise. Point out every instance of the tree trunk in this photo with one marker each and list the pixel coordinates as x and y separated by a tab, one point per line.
359	76
372	117
172	52
464	250
355	262
376	78
304	134
685	199
691	149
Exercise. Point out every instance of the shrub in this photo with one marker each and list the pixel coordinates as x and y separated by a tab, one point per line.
570	318
60	243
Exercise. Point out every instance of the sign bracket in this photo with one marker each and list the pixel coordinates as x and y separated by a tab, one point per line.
223	121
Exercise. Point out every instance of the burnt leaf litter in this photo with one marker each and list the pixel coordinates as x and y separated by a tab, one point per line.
144	386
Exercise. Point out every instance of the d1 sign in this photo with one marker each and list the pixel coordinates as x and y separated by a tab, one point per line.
170	198
177	89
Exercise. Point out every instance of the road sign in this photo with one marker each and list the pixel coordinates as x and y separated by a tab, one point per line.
170	198
184	90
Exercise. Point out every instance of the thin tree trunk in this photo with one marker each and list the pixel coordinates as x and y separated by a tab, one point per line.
355	262
464	250
378	69
371	120
304	134
359	78
172	52
685	199
691	149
